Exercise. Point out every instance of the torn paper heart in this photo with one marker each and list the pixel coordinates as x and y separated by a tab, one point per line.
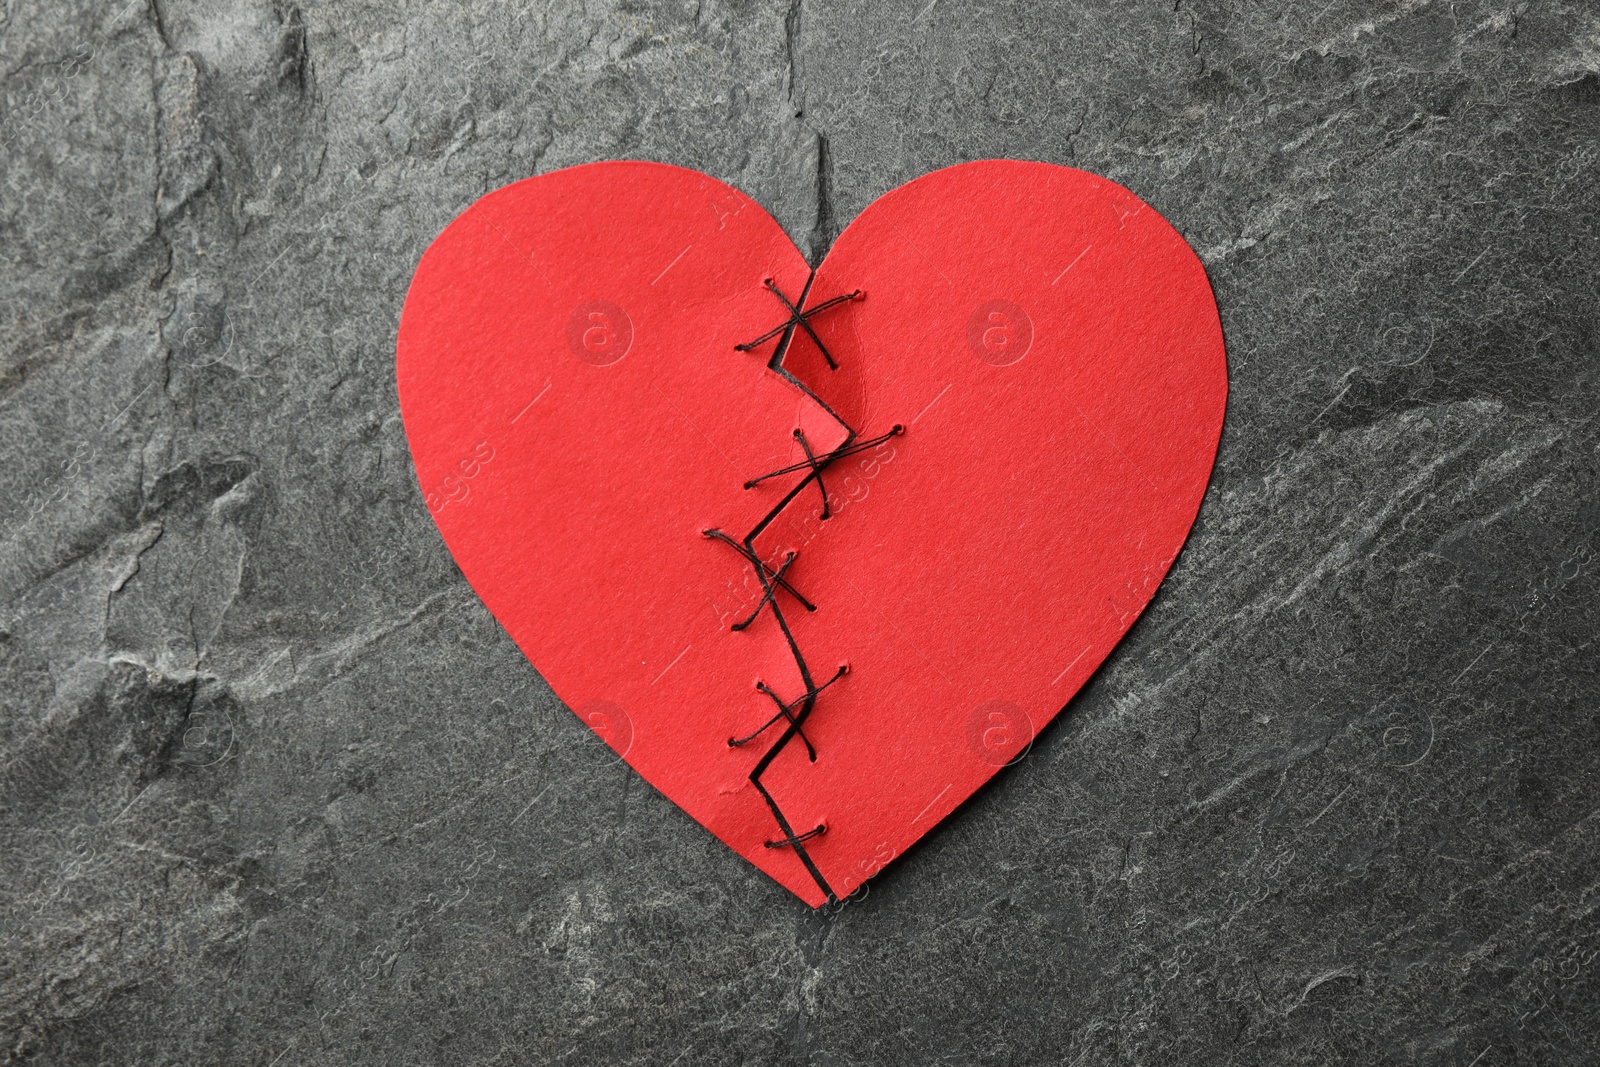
977	500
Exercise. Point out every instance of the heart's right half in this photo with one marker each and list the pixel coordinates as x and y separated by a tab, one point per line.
817	552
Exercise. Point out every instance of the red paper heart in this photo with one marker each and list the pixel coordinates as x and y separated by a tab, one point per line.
579	416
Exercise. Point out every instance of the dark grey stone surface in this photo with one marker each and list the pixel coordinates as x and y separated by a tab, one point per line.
277	790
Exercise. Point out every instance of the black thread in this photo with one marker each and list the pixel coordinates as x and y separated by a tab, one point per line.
755	560
768	597
793	713
860	446
816	471
801	319
794	842
786	711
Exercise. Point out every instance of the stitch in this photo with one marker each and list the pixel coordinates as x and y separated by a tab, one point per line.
768	597
839	453
755	561
801	319
786	711
792	842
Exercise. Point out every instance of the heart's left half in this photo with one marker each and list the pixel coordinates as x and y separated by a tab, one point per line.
626	431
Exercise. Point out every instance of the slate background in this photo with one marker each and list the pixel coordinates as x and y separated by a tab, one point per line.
277	790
